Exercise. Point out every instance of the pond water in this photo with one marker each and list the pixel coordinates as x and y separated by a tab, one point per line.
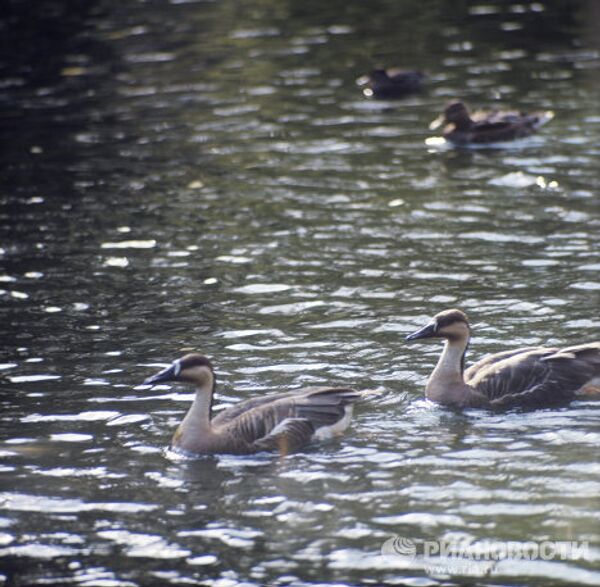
207	175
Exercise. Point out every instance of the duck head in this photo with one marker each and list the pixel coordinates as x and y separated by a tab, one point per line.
449	324
455	113
192	368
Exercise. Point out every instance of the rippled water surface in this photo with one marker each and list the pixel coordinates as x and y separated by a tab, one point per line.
207	175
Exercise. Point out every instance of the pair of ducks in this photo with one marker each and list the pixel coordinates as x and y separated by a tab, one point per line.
461	128
286	422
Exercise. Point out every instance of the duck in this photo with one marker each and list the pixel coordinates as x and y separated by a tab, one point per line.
283	422
391	83
487	127
529	377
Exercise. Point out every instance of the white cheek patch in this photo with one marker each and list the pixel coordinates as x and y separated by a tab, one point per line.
177	367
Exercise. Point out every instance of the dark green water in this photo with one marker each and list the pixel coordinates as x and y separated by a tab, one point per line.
207	175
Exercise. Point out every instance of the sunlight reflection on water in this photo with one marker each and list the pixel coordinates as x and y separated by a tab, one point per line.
187	181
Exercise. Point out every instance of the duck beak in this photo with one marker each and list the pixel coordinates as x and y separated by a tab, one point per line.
435	124
168	374
425	332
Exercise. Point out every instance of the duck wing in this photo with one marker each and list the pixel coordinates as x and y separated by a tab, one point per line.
288	436
492	131
482	365
232	412
298	415
581	364
534	376
533	119
405	79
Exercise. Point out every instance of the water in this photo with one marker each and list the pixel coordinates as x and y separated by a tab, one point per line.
206	175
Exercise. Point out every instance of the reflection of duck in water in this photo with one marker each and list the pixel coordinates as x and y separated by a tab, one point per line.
532	376
285	422
390	83
487	127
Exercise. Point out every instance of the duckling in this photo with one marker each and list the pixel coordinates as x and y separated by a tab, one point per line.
487	127
285	422
528	377
391	83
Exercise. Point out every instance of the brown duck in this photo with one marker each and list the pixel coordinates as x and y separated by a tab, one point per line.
391	83
487	127
284	422
528	377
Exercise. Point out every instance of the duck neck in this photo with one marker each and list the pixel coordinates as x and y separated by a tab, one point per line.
448	373
197	419
463	123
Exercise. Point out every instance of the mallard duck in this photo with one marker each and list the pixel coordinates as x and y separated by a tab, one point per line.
390	83
284	422
487	127
529	377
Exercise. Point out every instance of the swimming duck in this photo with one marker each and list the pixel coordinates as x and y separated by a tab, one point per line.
390	83
531	377
487	127
285	422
